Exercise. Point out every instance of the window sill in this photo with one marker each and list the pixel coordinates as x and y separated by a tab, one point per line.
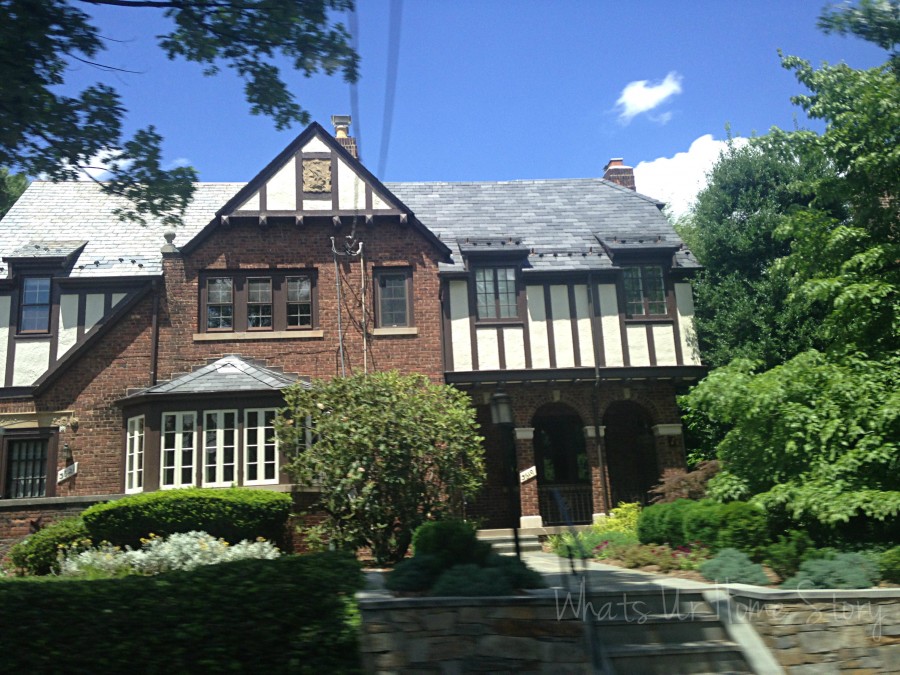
400	330
260	335
649	319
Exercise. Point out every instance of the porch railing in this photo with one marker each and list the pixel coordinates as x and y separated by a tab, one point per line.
577	498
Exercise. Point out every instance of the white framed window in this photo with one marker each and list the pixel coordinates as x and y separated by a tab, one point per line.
219	448
134	455
179	450
260	446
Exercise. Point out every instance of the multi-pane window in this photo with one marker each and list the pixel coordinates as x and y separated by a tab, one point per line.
241	302
26	469
219	448
645	291
393	296
178	449
35	306
259	303
495	293
134	455
220	303
260	447
299	302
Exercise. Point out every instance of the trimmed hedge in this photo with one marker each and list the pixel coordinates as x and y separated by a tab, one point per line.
233	515
38	553
291	615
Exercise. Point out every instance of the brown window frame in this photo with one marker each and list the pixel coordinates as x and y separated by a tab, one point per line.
645	300
25	435
518	294
241	302
406	273
48	305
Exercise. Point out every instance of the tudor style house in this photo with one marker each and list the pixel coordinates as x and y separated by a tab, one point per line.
140	359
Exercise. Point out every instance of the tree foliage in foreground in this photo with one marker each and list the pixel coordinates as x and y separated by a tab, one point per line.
45	132
12	185
389	452
818	437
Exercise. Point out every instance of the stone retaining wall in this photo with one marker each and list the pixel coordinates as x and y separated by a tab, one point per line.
822	632
512	634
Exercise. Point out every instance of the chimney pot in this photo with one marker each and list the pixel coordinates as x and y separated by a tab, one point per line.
342	134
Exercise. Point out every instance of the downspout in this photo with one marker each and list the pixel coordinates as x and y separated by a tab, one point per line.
595	401
154	341
362	266
337	282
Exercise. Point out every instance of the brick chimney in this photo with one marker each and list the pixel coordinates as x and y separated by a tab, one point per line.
341	133
616	172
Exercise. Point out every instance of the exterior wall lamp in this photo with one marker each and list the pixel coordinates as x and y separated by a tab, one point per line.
67	451
501	408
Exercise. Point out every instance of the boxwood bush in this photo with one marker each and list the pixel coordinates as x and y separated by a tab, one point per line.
234	514
291	615
38	553
664	523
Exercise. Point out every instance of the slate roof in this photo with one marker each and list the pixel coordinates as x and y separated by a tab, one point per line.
561	224
228	374
46	249
49	212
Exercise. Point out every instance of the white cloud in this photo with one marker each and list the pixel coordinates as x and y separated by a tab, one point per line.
640	96
677	180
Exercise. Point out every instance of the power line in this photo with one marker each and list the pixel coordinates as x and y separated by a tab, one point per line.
390	82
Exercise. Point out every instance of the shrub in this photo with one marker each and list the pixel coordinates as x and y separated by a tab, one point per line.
650	528
293	614
745	528
517	573
673	520
889	563
785	555
733	566
234	514
704	523
452	541
839	570
612	542
578	545
623	518
414	574
181	551
680	484
472	580
37	554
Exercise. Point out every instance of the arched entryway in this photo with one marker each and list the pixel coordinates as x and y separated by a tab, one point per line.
563	469
630	452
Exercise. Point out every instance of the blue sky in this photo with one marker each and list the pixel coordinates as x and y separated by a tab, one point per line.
496	90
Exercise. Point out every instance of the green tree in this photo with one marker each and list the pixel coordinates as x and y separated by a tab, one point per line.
818	437
45	132
12	185
389	452
742	308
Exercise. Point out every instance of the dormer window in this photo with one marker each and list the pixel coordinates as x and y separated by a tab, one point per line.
645	291
34	316
496	293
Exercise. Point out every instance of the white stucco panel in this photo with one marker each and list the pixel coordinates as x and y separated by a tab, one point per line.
316	204
609	324
684	300
488	349
351	188
68	323
638	349
664	344
378	202
281	190
32	360
537	327
117	298
514	348
316	145
93	310
562	326
460	337
251	204
5	305
583	318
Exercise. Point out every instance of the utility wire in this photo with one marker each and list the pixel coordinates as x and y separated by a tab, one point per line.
390	82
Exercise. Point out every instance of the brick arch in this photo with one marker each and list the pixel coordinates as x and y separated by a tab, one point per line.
638	399
631	455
